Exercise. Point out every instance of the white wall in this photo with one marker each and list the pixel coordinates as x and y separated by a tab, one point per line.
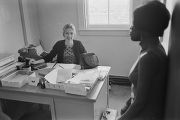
11	37
116	51
31	21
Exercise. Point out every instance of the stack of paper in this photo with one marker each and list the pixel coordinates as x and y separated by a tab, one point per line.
82	83
6	59
7	64
57	77
16	79
74	81
87	78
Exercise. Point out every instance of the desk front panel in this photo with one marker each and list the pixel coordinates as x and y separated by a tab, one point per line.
63	106
76	109
8	93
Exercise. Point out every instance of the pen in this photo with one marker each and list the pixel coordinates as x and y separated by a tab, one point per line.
61	66
54	64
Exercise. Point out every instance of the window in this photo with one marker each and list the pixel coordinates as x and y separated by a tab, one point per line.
105	14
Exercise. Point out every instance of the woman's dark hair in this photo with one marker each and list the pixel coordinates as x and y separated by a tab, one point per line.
153	17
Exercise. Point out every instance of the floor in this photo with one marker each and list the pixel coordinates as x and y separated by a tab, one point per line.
118	96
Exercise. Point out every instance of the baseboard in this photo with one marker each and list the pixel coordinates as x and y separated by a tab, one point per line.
119	80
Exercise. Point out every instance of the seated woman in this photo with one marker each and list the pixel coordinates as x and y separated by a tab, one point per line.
148	74
67	50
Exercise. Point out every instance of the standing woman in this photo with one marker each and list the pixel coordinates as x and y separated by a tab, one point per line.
148	74
67	50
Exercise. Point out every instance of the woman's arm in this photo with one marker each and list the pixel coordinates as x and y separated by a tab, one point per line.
49	57
147	70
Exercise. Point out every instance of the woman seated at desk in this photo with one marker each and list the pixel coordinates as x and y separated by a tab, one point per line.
67	50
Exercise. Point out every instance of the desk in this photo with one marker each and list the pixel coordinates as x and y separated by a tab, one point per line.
64	106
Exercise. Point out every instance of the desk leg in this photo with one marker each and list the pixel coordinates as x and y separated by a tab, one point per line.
107	91
53	113
72	109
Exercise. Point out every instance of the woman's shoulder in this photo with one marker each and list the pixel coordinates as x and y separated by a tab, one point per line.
153	55
158	53
76	41
60	42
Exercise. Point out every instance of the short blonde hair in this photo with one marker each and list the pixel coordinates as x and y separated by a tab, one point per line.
67	26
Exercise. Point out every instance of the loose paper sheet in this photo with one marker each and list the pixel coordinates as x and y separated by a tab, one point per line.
52	76
63	75
59	75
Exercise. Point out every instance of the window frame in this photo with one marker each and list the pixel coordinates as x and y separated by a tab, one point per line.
100	29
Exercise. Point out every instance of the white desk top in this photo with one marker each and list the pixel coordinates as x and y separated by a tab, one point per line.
33	90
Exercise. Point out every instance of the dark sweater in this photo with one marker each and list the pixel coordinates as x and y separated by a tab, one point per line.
149	80
59	47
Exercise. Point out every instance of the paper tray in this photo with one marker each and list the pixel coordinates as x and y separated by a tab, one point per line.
16	79
59	86
79	89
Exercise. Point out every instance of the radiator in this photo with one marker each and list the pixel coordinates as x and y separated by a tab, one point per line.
119	80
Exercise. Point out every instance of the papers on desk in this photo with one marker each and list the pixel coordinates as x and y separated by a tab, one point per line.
87	78
82	83
74	81
63	66
52	76
63	75
59	75
16	79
